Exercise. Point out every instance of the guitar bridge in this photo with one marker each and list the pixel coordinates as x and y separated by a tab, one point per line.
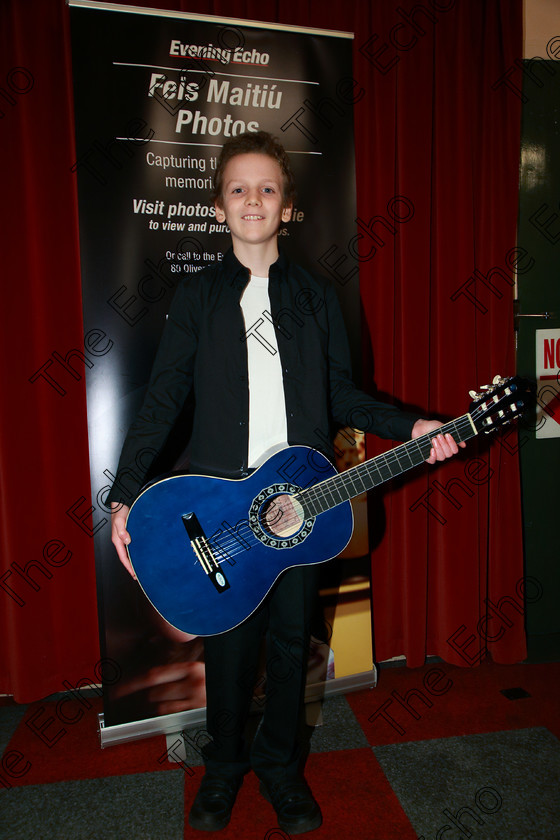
204	552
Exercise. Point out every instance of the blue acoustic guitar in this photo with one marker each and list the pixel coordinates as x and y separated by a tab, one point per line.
207	551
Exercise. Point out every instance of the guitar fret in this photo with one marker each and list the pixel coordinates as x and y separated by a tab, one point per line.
376	466
317	500
336	495
363	477
408	462
352	481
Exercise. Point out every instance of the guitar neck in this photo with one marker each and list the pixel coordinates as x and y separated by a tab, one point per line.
363	477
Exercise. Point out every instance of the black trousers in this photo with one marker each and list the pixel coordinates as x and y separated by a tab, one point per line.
232	660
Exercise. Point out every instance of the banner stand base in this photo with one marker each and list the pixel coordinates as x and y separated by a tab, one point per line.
174	724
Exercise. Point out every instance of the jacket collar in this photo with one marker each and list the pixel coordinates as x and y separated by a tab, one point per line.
239	274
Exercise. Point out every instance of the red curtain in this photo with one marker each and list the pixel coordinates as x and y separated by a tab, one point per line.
48	614
437	148
442	133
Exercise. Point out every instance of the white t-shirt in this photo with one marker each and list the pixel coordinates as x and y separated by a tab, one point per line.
267	407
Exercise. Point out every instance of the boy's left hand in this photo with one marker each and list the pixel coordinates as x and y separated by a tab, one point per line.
443	446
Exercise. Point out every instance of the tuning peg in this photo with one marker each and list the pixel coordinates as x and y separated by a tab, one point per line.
484	389
480	394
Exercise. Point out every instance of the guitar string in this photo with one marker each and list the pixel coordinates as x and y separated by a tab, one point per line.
322	492
229	543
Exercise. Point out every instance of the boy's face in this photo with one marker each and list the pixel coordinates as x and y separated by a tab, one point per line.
252	200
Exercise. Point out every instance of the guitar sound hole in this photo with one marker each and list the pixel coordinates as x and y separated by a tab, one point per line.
281	516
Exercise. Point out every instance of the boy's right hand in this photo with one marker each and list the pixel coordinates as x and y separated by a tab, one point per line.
120	536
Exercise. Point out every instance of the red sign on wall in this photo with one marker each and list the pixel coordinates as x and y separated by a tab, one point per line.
548	381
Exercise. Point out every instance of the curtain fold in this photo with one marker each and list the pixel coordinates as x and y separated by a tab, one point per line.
48	613
436	150
453	534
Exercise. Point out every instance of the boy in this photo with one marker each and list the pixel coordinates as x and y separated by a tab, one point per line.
261	377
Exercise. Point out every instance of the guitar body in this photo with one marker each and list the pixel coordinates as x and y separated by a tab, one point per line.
207	551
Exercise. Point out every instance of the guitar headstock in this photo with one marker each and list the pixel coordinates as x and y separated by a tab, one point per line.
501	402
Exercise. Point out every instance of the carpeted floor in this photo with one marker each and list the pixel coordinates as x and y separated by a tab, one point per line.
436	752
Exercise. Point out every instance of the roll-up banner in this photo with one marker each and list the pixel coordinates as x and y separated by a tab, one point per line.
156	95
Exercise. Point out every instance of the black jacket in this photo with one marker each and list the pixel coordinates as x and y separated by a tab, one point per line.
204	347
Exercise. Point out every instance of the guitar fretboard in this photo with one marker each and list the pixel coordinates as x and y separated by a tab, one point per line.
363	477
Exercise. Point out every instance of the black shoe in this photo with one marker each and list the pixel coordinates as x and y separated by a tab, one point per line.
295	807
211	809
